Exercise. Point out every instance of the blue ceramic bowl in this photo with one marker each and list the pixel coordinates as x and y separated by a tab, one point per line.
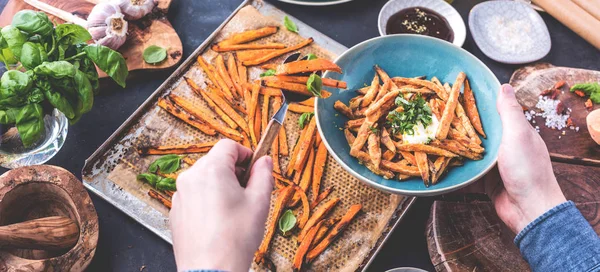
411	56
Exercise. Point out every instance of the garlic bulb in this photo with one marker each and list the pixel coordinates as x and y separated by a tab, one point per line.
135	9
107	25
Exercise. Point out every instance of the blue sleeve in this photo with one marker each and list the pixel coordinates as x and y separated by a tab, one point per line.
560	240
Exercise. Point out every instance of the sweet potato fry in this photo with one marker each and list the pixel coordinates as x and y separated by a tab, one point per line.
318	169
269	66
465	141
355	102
224	74
304	79
449	111
408	156
189	161
457	148
363	90
471	109
249	35
343	109
412	171
364	130
294	156
234	75
213	106
372	92
305	246
386	140
252	113
246	140
350	138
322	196
378	171
176	149
280	203
384	100
388	155
169	193
423	83
317	216
307	142
307	66
277	53
305	207
271	91
306	177
356	123
221	103
299	108
247	46
252	54
243	72
275	82
168	106
423	165
156	195
385	89
382	74
308	102
323	230
425	149
203	114
467	127
334	233
439	167
265	112
374	148
216	79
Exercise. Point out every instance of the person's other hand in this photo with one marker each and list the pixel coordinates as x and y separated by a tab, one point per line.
528	188
216	223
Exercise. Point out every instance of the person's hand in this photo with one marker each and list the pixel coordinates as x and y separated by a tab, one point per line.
528	188
216	223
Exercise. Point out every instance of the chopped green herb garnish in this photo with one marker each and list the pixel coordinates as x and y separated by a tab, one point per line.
374	130
304	119
270	72
415	112
311	56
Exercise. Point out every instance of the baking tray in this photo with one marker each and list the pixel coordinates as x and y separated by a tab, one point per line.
110	171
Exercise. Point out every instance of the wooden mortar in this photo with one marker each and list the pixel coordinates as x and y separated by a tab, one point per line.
41	191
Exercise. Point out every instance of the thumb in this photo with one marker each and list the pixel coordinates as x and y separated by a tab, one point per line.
511	112
260	184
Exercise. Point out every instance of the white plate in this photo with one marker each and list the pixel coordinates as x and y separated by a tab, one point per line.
440	6
315	2
493	22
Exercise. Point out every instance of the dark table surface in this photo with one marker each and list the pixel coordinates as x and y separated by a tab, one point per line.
125	245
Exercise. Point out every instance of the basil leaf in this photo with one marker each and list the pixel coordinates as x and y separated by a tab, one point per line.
33	22
166	184
30	124
289	24
152	179
311	56
304	119
587	88
32	55
56	69
166	164
9	116
36	96
15	87
314	85
109	61
595	97
14	39
71	34
154	54
59	101
89	69
270	72
287	222
84	92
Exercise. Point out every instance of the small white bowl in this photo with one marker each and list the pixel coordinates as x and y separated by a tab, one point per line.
446	10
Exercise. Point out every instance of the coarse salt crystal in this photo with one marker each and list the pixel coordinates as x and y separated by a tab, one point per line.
553	119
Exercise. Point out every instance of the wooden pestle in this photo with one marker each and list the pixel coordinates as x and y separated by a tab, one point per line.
574	17
48	233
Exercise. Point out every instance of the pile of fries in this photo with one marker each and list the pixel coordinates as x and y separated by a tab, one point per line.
373	141
235	100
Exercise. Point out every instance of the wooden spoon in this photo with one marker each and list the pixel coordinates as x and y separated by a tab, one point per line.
48	233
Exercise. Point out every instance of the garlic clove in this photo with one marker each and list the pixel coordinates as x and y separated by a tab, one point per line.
100	12
135	9
98	32
107	25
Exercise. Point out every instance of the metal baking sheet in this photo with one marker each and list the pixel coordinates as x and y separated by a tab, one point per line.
110	172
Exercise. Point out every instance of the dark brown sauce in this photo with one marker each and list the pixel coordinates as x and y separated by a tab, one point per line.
420	20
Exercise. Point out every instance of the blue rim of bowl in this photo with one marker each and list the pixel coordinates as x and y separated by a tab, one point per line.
455	42
491	53
303	3
383	187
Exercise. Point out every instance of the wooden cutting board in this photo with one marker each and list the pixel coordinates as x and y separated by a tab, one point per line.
153	29
465	234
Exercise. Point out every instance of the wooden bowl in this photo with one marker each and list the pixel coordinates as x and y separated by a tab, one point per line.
40	191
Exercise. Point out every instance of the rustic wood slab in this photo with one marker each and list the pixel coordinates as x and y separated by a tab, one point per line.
467	235
34	192
153	29
573	147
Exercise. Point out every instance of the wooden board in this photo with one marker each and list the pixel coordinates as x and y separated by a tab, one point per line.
465	234
530	81
153	29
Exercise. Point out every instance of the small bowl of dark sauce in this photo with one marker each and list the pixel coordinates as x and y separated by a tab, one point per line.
434	18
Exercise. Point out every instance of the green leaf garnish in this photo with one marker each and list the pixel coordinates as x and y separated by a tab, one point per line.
270	72
158	182
166	164
154	54
290	25
311	56
304	119
314	85
415	112
287	222
374	130
592	89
